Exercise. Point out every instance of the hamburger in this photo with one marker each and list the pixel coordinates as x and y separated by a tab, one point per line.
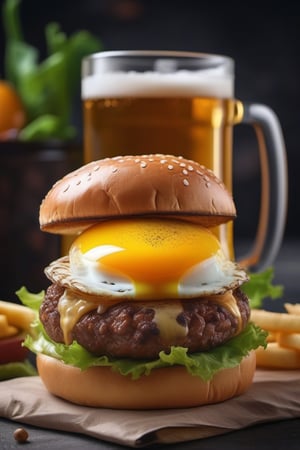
145	311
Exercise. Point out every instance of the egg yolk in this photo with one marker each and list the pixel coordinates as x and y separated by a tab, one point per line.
153	254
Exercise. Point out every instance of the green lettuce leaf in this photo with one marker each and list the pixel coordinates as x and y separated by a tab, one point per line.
29	299
260	286
204	364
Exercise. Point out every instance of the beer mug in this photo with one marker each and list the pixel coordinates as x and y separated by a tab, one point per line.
182	103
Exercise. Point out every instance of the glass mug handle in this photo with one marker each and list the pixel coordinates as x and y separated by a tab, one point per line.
274	189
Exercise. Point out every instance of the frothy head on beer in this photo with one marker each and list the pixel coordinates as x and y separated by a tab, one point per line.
158	74
152	84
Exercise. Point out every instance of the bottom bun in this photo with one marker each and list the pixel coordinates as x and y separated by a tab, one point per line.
171	387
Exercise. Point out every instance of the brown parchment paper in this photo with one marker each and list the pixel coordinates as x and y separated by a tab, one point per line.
274	395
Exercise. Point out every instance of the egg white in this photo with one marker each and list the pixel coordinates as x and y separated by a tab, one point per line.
82	272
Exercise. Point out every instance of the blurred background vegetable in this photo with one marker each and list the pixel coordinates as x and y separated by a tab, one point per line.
12	112
45	89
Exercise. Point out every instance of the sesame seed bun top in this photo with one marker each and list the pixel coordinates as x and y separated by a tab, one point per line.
130	186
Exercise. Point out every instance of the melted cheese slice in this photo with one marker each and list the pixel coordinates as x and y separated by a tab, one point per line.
72	307
165	317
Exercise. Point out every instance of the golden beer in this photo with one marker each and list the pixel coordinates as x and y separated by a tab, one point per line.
196	128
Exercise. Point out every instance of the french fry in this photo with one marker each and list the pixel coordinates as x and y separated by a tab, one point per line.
6	330
289	340
272	336
272	321
277	357
293	308
17	315
283	350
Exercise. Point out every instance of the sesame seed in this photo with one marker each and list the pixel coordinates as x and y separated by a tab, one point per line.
78	183
96	168
65	190
114	169
185	172
207	184
182	164
143	164
190	168
163	161
137	160
185	182
170	167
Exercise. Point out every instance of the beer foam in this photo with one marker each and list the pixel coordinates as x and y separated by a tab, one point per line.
208	83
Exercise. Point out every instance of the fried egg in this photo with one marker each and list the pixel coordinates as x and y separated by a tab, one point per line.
147	259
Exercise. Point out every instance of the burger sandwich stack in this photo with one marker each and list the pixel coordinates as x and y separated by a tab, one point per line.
146	311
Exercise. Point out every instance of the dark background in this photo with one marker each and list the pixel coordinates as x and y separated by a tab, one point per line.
263	38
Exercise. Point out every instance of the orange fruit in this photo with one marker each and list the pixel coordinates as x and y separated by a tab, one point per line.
12	112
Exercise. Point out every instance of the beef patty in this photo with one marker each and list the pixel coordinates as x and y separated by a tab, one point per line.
130	329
